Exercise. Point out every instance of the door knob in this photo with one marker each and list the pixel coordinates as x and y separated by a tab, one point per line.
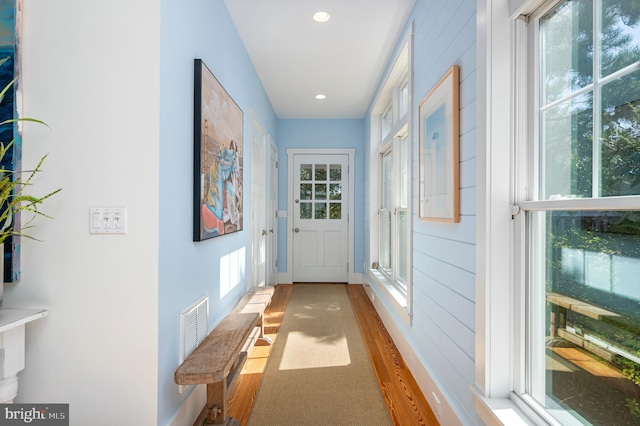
296	230
297	201
264	232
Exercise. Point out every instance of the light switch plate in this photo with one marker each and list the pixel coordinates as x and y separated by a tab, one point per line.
108	220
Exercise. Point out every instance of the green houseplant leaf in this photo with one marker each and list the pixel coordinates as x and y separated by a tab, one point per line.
14	197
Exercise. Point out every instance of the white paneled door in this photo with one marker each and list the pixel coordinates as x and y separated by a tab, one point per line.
320	224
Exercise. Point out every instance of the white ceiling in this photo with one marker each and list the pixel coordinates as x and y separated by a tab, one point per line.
297	58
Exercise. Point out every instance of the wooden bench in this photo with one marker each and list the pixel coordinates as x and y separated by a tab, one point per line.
217	361
560	304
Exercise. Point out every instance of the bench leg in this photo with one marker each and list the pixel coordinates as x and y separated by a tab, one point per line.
558	319
217	405
262	339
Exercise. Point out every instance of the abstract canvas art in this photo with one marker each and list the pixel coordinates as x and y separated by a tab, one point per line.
218	125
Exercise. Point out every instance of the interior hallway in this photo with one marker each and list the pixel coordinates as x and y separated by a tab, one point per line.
405	402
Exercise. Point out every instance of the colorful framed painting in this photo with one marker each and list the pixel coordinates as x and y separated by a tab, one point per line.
439	158
218	156
10	25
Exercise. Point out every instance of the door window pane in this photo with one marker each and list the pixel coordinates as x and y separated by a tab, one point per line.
335	173
305	172
587	338
321	172
321	191
321	210
305	210
335	191
305	191
335	210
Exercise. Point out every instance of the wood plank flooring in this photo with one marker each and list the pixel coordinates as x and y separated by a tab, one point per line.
405	402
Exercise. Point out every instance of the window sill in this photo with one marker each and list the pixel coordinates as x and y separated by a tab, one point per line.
397	300
504	411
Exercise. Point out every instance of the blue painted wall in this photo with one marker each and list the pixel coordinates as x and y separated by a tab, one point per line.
348	133
443	330
197	29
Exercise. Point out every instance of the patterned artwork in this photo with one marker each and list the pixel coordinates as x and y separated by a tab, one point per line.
217	158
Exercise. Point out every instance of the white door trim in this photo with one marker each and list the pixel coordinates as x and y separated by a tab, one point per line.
288	276
257	275
272	210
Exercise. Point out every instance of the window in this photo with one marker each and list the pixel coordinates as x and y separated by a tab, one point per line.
580	214
393	218
391	165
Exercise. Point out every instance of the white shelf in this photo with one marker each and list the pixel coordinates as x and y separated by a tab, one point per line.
10	318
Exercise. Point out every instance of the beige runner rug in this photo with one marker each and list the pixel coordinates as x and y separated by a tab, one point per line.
319	372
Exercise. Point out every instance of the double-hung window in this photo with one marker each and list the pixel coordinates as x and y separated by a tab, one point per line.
578	213
391	163
395	163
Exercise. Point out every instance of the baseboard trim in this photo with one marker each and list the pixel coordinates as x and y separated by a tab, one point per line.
191	407
441	408
285	278
354	278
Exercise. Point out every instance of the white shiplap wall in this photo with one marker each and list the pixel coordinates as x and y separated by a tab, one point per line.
442	335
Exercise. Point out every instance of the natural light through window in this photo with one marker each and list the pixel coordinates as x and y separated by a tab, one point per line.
232	269
391	178
304	350
579	226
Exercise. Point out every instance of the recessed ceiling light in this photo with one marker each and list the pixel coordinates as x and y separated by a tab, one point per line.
320	96
321	16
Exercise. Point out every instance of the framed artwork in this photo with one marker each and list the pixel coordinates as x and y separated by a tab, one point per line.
439	152
217	163
10	34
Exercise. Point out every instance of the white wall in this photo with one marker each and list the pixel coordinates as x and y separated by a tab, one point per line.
90	70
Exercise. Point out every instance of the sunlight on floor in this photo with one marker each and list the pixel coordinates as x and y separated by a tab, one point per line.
304	351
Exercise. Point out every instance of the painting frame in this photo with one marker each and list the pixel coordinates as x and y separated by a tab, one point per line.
439	151
218	148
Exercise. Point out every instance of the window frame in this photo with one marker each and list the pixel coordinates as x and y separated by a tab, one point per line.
526	181
392	145
399	293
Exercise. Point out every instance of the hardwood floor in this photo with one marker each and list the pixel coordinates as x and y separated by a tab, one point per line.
405	402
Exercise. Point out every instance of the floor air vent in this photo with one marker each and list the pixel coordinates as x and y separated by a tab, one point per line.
194	324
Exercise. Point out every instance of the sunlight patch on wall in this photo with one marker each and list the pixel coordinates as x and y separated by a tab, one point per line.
232	267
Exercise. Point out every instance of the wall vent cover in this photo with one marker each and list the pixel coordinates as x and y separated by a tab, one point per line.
194	324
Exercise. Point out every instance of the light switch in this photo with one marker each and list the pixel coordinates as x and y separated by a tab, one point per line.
108	220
